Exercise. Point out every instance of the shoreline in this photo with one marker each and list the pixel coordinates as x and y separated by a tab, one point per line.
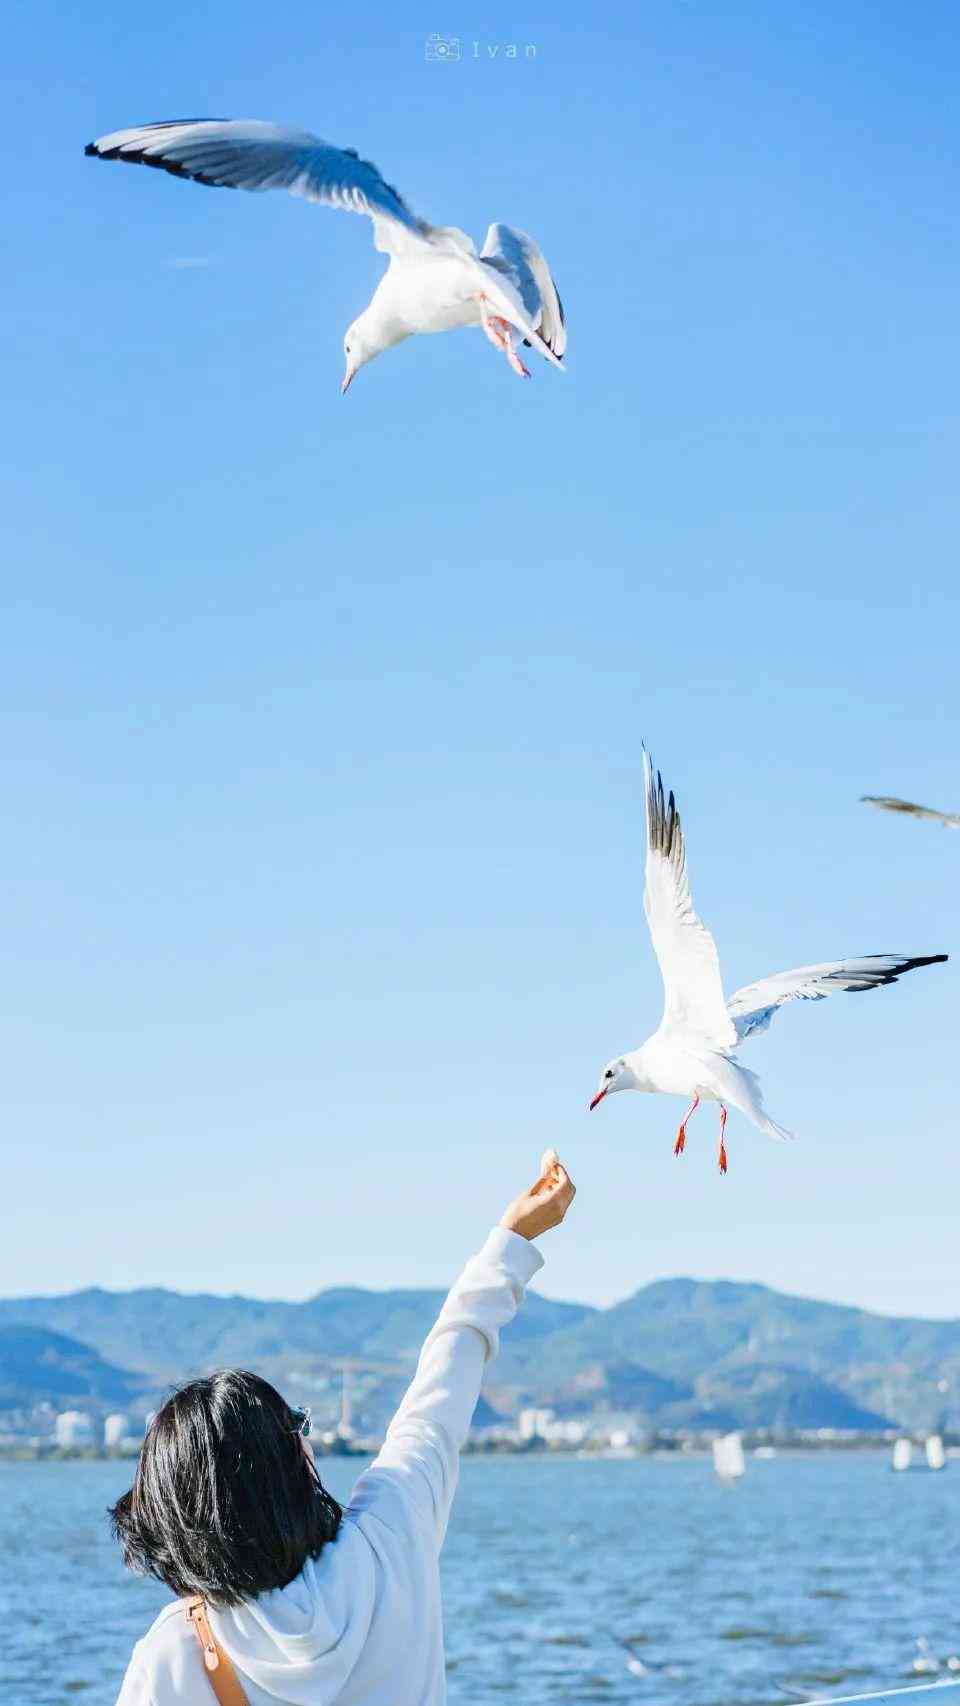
762	1450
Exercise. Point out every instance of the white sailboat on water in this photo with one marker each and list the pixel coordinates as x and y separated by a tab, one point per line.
936	1456
728	1460
934	1453
902	1454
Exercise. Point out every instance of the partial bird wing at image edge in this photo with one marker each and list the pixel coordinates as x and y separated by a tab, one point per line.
889	803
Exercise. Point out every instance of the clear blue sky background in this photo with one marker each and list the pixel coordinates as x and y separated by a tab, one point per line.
322	849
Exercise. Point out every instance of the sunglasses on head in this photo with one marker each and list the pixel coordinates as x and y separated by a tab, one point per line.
301	1420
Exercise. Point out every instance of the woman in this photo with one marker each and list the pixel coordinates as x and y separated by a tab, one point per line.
284	1599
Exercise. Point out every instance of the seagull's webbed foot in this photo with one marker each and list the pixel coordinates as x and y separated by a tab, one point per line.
722	1153
500	333
506	334
680	1144
492	329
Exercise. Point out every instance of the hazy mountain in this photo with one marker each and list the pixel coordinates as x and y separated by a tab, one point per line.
40	1367
678	1353
166	1334
731	1347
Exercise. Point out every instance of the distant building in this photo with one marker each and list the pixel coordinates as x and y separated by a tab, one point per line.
533	1424
565	1433
115	1431
72	1428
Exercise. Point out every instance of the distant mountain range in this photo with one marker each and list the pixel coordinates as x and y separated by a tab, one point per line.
731	1354
39	1366
677	1354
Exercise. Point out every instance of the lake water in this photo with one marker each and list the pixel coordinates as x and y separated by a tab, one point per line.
813	1574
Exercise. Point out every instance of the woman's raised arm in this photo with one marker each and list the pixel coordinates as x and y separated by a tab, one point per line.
420	1455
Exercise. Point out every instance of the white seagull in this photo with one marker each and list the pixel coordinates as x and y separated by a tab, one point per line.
692	1052
435	280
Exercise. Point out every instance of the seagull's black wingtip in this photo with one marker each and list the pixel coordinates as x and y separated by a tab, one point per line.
91	148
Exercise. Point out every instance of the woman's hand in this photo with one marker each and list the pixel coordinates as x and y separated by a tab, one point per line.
545	1203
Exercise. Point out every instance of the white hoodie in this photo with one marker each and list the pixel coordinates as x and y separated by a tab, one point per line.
361	1625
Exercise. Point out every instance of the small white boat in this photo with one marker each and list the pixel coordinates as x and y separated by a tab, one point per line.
728	1460
925	1663
936	1456
902	1454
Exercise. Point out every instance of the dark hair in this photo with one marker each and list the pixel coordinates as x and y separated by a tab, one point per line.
225	1501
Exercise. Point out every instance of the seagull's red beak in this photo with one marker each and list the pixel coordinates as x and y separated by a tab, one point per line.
597	1098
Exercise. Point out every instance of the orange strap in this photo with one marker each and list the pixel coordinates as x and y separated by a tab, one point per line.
222	1677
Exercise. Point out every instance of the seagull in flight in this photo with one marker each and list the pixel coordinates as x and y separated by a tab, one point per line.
692	1052
887	803
435	280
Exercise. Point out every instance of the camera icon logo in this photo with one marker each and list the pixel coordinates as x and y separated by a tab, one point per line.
442	49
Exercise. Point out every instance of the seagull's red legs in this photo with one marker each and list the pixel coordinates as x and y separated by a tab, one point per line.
722	1157
682	1133
500	333
493	326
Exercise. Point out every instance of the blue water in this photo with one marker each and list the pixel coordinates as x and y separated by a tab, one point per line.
814	1574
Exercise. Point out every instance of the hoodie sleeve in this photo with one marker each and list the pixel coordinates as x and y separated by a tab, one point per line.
419	1460
135	1689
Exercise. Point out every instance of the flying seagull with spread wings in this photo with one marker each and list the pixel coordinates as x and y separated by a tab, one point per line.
435	280
888	803
692	1052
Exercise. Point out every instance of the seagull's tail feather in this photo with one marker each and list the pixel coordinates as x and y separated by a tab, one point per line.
772	1129
740	1087
753	1107
538	343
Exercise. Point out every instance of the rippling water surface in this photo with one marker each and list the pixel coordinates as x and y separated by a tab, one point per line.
813	1573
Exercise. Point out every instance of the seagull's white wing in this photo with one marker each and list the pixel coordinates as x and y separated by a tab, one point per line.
250	154
752	1008
886	803
518	257
693	994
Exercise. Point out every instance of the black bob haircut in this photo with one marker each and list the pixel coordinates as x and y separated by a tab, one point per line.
225	1502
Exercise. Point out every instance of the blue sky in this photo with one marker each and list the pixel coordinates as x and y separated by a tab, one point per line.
322	861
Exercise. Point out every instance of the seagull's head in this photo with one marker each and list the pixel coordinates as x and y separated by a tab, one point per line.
616	1075
372	332
369	335
358	349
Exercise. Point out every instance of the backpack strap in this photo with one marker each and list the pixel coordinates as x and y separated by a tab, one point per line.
221	1674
